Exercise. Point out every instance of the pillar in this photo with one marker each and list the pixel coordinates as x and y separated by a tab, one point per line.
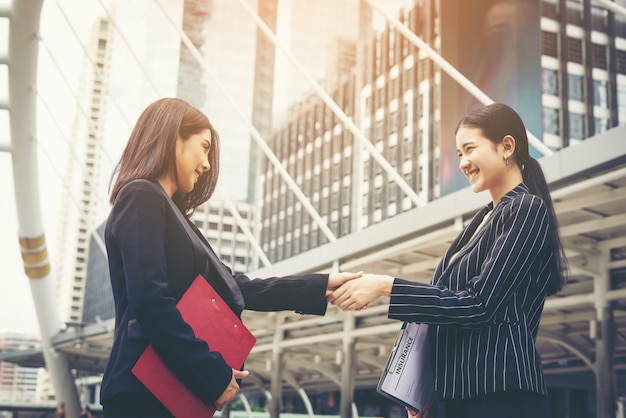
604	341
23	52
347	367
276	362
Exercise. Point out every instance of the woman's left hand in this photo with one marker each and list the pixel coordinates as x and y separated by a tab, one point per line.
354	296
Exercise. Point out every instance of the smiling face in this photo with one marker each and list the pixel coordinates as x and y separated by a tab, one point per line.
484	163
192	161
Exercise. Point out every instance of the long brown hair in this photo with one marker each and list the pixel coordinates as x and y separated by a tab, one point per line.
151	150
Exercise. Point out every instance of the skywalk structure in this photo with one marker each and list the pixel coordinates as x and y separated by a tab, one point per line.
363	177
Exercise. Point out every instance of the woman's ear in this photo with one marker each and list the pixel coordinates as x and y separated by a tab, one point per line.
508	145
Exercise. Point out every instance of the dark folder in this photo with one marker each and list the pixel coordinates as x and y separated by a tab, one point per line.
213	321
408	377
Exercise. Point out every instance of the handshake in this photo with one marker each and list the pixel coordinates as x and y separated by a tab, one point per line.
356	291
349	292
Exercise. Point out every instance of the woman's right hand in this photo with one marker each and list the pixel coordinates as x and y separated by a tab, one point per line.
429	412
231	390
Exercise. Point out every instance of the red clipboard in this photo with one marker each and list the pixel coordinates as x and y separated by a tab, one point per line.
213	321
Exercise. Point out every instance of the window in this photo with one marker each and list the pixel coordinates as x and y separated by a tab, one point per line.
550	82
602	125
551	121
621	61
574	12
574	50
576	126
549	45
621	98
598	56
575	83
600	93
550	8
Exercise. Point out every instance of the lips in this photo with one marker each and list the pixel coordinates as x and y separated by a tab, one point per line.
471	174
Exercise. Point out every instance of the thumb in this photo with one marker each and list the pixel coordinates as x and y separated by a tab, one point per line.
240	374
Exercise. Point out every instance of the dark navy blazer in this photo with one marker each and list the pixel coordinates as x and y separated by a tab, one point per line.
154	254
485	300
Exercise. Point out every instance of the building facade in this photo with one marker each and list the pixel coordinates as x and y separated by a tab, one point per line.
582	56
18	384
80	196
583	70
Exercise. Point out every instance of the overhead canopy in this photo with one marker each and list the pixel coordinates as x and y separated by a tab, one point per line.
588	183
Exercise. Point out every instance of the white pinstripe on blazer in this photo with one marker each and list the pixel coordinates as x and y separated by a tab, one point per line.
485	304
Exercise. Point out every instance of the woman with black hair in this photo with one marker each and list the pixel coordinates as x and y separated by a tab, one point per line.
485	300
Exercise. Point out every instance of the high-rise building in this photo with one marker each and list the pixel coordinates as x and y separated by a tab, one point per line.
224	232
81	180
576	90
583	64
17	384
313	33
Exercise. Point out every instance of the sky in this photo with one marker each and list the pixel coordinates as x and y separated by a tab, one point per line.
60	40
64	26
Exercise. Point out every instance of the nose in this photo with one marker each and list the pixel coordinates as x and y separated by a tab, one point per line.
463	163
206	165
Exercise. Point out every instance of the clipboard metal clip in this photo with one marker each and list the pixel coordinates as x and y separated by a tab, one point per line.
389	366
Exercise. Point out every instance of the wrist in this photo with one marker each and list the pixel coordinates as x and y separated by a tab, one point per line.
387	284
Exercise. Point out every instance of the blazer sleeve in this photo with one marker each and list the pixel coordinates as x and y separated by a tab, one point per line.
140	232
521	235
304	294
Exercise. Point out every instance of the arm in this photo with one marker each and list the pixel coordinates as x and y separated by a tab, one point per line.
305	294
520	237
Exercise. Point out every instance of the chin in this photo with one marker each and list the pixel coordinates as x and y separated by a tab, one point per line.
187	189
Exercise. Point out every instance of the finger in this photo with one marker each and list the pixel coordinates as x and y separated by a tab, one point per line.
240	374
337	294
340	299
348	305
353	276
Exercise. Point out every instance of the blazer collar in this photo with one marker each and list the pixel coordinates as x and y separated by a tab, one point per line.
469	237
521	188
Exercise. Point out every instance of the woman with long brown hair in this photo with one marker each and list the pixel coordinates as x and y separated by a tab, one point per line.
169	167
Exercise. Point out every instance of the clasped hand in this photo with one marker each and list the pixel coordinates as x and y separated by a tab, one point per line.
231	390
357	293
348	291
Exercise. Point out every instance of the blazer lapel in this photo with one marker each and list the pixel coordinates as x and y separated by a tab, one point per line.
237	300
224	274
461	245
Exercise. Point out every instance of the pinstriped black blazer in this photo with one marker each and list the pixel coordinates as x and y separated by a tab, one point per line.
485	303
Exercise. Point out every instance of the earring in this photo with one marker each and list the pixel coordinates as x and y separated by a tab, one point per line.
506	161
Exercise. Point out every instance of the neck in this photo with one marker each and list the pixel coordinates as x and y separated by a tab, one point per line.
509	182
168	185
